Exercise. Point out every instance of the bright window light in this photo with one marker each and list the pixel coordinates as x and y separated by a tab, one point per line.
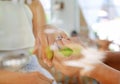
47	7
116	2
102	13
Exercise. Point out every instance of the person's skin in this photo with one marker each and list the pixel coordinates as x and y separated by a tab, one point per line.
101	72
45	40
105	74
108	72
8	77
39	18
113	59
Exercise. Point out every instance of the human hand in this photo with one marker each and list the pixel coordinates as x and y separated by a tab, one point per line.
7	77
51	40
45	38
67	51
82	58
91	58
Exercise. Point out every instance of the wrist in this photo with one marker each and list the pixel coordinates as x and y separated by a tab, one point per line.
93	73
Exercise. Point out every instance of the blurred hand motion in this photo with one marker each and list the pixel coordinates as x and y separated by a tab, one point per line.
55	48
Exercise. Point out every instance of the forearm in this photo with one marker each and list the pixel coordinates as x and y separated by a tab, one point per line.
40	14
4	77
105	74
113	59
39	19
7	77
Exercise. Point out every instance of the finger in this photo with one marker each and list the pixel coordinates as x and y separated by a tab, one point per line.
60	38
49	53
50	39
43	45
43	39
66	41
63	34
59	44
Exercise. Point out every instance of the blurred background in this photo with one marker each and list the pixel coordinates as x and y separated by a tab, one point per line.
96	19
96	23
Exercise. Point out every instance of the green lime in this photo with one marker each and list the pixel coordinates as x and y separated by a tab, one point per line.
66	51
49	53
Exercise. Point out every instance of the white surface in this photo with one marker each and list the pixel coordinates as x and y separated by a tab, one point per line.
15	26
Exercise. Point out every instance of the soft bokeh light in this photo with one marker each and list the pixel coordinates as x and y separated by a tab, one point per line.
47	7
102	13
